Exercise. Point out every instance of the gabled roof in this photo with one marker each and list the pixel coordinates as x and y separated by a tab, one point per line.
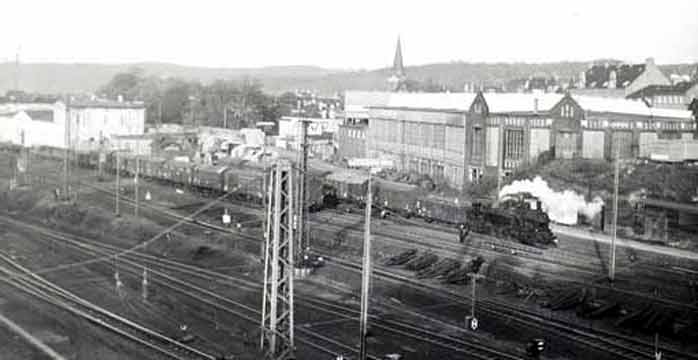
652	90
520	103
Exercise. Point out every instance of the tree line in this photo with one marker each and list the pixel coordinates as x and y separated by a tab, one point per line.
224	103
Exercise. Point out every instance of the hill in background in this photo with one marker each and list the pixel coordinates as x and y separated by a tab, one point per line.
60	78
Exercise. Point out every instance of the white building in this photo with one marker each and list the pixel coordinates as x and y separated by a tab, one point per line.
321	133
91	122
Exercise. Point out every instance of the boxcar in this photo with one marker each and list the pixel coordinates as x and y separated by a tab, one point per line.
349	185
398	197
245	180
446	210
178	172
209	178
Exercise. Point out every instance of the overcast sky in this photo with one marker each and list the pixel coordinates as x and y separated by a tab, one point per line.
347	34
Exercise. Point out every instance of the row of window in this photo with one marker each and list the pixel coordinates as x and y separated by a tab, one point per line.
426	167
649	125
668	99
356	134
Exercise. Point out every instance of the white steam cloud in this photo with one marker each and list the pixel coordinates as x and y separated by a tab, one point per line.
562	207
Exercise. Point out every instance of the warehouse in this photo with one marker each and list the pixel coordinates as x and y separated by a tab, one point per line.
507	130
424	133
459	137
598	128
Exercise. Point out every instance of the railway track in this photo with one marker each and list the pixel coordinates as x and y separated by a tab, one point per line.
132	263
624	347
30	283
630	350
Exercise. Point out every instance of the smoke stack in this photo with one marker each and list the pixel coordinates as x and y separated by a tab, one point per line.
602	218
539	205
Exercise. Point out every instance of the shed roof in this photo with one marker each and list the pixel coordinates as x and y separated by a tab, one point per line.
520	103
436	101
631	107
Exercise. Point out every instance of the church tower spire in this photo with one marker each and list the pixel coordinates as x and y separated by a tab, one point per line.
396	82
398	68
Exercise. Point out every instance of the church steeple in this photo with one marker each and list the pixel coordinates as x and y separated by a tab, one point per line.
396	82
398	68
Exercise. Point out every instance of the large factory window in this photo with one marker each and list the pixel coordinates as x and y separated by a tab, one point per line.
513	144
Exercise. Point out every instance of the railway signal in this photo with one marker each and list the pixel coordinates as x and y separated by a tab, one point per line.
226	218
471	321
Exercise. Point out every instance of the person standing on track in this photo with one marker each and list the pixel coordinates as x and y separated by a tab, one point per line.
463	232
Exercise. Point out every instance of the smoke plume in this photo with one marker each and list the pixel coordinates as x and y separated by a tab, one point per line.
562	207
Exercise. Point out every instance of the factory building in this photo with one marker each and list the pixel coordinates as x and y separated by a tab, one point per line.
459	137
598	128
424	133
351	133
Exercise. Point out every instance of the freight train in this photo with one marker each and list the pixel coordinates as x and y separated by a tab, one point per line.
342	189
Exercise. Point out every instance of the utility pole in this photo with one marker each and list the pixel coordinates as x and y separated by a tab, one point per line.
66	161
135	185
118	185
366	272
500	159
612	267
303	239
369	164
277	339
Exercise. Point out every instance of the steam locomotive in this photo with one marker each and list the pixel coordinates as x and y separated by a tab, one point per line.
513	219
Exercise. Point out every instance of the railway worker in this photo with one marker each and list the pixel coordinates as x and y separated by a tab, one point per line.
463	232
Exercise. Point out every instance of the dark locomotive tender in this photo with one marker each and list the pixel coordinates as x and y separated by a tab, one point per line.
345	189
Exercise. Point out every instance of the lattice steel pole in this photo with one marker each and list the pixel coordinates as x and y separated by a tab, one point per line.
277	307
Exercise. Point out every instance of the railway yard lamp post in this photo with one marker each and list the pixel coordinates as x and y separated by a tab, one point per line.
370	165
